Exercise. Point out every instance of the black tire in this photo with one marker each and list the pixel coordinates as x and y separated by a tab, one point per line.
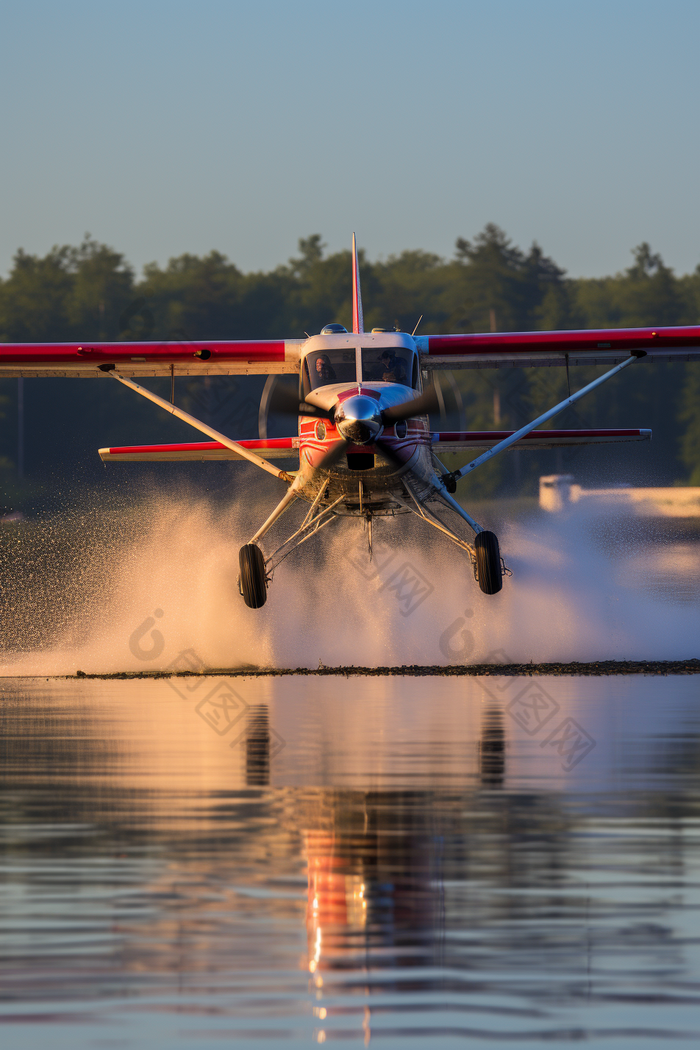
253	582
488	562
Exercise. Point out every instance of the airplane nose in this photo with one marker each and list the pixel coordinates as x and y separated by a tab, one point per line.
358	420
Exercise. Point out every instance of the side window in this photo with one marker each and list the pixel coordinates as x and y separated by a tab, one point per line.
305	381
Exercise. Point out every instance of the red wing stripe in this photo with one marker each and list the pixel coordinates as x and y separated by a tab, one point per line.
590	340
257	351
204	446
495	436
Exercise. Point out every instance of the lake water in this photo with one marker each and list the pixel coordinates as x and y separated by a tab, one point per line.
404	861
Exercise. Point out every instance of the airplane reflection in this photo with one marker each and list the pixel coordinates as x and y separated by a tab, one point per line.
420	849
492	747
257	745
376	886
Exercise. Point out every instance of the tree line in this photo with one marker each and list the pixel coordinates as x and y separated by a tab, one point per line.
90	292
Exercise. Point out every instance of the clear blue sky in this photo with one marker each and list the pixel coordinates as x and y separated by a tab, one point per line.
165	127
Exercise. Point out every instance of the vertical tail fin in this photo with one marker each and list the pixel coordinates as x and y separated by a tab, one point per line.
358	321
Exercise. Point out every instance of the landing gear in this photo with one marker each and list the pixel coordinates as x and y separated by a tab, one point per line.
484	553
253	584
488	562
257	570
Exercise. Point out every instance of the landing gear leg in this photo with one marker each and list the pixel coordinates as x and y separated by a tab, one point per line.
252	581
256	570
484	554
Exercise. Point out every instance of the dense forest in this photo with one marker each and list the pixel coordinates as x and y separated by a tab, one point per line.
91	292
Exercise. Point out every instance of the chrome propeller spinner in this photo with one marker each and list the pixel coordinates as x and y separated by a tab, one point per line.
359	420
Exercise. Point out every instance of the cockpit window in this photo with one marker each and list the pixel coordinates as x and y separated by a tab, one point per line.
323	367
379	365
388	365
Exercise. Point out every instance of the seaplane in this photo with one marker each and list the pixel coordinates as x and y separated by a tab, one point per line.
363	447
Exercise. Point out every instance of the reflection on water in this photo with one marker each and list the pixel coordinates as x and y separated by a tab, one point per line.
411	861
257	745
492	747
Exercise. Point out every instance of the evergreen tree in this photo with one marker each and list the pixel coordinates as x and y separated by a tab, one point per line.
89	292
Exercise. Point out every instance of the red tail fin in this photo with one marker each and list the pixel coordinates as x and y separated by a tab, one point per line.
358	321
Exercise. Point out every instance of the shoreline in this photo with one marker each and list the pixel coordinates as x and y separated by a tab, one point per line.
572	669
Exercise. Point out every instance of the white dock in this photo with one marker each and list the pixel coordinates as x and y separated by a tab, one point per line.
559	491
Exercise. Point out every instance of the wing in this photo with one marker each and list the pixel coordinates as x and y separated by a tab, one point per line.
536	439
604	346
201	358
198	451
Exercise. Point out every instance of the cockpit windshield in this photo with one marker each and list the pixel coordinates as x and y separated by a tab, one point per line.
323	367
379	365
389	365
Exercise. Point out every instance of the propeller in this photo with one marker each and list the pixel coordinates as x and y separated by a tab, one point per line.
284	401
390	454
422	405
339	448
334	453
364	425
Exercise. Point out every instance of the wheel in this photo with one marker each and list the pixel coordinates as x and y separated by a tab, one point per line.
488	562
253	584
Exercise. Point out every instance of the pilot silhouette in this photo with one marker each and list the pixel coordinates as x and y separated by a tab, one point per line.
324	369
394	370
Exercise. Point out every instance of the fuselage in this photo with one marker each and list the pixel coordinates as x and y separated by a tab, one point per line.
356	377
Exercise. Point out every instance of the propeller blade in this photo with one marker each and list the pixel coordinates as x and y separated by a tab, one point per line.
422	405
284	401
334	453
305	409
388	452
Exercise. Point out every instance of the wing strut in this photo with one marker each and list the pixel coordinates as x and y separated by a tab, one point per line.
244	453
517	434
